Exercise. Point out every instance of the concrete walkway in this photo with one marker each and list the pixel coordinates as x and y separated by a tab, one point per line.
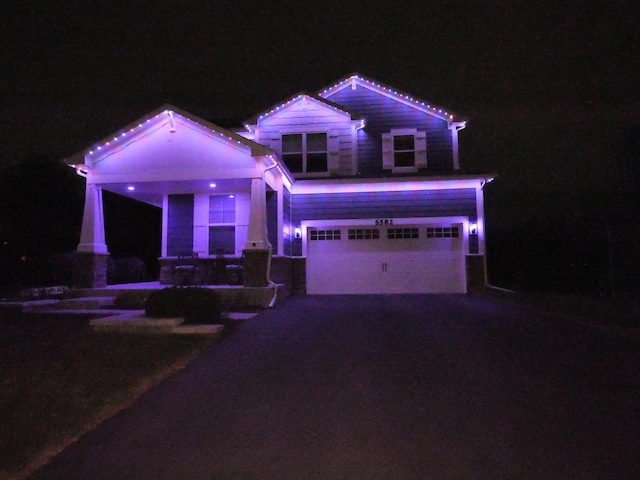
389	387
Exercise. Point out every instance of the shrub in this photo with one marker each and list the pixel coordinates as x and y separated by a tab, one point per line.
195	304
130	300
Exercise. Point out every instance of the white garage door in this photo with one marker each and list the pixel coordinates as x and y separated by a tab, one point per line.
385	259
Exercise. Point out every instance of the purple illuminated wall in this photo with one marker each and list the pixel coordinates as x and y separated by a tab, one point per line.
383	113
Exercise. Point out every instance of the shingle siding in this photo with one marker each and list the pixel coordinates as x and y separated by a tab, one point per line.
382	114
180	225
427	203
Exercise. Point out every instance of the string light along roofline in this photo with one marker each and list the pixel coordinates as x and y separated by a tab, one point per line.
408	99
282	106
169	112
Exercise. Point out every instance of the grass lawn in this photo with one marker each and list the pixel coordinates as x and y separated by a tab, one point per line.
620	314
59	379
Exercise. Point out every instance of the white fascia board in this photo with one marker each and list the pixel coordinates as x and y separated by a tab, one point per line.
370	222
175	175
165	115
303	187
387	92
292	102
227	135
287	178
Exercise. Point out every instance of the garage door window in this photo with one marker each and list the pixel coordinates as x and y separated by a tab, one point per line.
364	234
397	233
324	235
442	232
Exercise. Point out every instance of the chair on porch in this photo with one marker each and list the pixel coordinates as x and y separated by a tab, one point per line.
185	270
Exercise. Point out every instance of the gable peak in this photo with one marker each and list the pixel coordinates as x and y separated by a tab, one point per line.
355	79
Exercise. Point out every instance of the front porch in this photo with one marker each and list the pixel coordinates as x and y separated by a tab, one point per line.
289	273
214	189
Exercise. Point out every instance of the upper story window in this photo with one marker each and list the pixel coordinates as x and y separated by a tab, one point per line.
305	152
404	150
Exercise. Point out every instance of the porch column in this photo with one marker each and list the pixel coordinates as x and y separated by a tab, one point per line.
92	254
476	263
257	251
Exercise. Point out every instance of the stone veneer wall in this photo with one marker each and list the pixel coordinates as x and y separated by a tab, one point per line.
207	271
288	271
476	272
90	270
291	272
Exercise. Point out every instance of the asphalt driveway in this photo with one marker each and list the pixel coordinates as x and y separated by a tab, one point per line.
398	386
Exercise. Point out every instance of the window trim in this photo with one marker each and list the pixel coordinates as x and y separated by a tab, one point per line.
221	224
419	150
320	235
363	233
441	231
403	232
305	152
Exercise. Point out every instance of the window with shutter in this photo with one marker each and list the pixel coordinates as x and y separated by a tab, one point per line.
404	150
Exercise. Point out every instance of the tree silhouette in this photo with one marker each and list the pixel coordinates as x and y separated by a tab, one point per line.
41	202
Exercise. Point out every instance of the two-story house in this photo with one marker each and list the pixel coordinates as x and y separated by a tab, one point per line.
354	189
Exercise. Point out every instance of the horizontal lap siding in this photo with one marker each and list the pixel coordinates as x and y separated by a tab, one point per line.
286	220
312	118
272	219
383	114
180	225
430	203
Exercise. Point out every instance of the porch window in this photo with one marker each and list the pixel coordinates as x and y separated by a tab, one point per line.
305	152
222	224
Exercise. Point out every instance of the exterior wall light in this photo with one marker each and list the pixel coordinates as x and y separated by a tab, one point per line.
298	232
473	229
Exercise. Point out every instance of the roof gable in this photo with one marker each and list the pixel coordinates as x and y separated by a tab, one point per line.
300	101
355	81
164	116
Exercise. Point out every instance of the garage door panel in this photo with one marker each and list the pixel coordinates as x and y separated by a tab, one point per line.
386	264
337	274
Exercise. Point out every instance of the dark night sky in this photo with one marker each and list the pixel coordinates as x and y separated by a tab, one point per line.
550	88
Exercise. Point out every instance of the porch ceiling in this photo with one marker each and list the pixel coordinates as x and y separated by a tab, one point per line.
153	192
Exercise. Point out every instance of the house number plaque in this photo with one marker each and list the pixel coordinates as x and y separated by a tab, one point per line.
384	221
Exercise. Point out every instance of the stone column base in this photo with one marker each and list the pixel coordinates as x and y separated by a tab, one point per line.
90	270
476	272
256	267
